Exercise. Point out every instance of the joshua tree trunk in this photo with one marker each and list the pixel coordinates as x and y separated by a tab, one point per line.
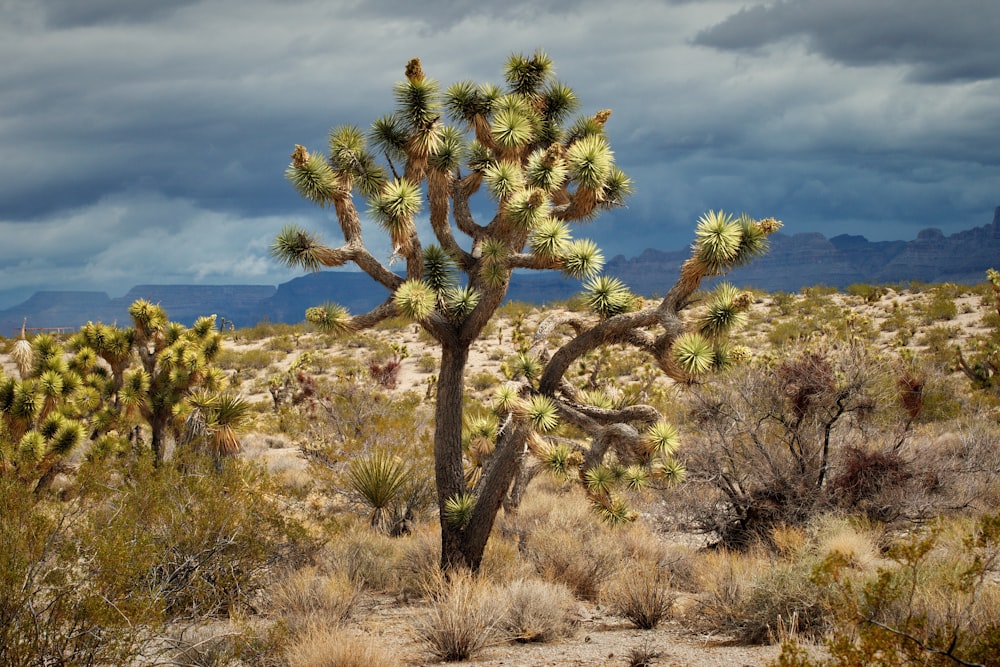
448	467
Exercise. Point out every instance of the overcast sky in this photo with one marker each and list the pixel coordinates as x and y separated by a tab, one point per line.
145	141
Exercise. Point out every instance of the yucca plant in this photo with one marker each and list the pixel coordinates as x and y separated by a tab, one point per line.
545	173
378	479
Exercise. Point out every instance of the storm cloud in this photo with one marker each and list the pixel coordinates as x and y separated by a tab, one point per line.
146	142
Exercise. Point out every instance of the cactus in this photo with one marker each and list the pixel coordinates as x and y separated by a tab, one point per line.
546	173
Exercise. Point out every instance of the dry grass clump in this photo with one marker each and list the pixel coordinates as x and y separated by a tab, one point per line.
368	558
310	594
759	595
539	611
641	593
417	572
552	529
331	646
467	616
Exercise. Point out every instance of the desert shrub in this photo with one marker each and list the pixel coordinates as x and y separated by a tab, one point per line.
941	306
427	363
483	380
95	579
418	571
936	603
786	332
538	611
869	293
756	597
870	481
466	617
254	358
640	592
310	594
205	543
775	436
331	646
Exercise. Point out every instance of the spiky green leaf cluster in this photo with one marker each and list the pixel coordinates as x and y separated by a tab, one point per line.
694	354
559	101
460	301
507	399
449	152
526	75
662	438
617	188
503	178
377	478
396	204
417	101
459	508
525	365
465	100
719	241
439	268
314	179
636	477
512	130
600	479
670	470
549	238
582	259
478	157
561	460
546	169
543	414
607	296
527	209
389	135
589	161
726	311
330	318
415	300
614	511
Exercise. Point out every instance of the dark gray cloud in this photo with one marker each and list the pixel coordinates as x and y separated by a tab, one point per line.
76	13
146	142
939	41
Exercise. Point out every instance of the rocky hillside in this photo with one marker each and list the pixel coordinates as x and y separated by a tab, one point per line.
795	261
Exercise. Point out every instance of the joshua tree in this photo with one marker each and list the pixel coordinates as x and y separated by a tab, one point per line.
173	362
38	427
543	174
982	367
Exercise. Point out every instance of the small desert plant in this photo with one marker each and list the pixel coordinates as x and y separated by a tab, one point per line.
466	617
642	655
641	593
539	611
326	646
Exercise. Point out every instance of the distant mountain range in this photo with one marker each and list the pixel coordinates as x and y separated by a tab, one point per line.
794	261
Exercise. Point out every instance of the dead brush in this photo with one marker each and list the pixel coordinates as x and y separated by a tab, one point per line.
466	616
641	593
309	594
